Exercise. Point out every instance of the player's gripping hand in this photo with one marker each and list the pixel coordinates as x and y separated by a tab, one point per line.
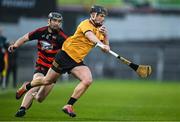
105	48
12	48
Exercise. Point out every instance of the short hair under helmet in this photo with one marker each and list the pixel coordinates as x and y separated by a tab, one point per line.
55	15
98	9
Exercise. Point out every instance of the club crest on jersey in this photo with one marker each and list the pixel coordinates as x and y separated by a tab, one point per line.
46	46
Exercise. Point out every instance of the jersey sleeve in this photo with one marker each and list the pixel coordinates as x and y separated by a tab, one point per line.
36	33
86	26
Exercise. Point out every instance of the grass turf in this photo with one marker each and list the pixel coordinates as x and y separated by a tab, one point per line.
105	100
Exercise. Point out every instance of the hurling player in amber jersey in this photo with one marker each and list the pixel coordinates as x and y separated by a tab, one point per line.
70	59
49	41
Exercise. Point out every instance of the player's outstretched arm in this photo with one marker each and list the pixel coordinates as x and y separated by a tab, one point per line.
104	31
18	43
90	35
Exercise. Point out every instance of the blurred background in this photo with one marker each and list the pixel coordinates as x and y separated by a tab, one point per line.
144	31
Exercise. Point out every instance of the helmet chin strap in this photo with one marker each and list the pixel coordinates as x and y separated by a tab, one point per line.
95	15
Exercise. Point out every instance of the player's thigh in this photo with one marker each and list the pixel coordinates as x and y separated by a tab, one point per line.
35	89
38	75
83	73
51	76
45	90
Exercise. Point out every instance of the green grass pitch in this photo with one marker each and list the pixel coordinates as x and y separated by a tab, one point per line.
105	100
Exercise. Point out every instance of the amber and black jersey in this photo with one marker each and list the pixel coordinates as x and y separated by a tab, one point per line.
48	44
78	45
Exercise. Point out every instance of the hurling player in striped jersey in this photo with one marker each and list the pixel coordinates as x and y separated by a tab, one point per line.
49	41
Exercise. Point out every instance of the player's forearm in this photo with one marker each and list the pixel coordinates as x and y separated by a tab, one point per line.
106	40
96	41
104	31
21	40
93	38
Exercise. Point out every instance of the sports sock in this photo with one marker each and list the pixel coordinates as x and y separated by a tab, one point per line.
22	108
71	101
28	86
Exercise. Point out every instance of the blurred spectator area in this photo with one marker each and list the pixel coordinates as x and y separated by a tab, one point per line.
136	27
122	4
12	10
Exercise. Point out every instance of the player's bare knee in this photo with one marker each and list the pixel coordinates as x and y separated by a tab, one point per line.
87	82
39	98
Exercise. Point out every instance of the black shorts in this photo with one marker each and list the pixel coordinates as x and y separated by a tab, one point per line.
63	63
41	69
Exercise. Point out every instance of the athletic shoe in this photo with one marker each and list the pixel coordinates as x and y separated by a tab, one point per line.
68	109
21	91
20	113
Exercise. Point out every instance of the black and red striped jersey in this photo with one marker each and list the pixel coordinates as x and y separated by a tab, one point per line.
48	44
